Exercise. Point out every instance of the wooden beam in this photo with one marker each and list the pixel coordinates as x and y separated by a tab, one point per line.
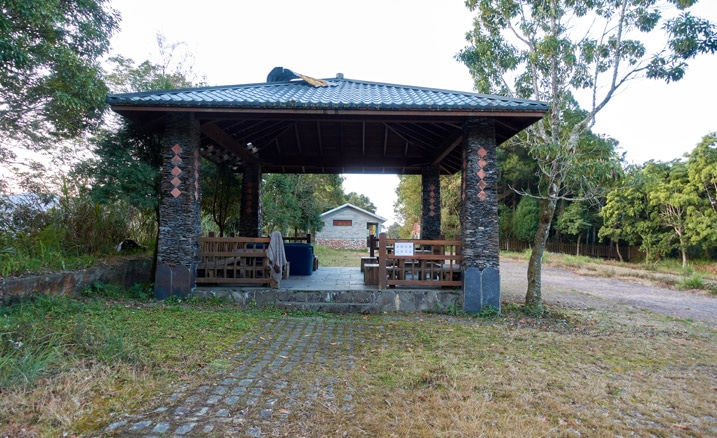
448	150
217	134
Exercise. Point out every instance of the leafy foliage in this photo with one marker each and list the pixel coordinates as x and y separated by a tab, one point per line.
50	83
361	201
221	196
525	219
408	204
295	202
534	49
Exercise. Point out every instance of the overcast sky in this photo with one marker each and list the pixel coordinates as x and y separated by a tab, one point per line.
411	42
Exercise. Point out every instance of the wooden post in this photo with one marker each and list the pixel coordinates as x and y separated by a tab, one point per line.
382	258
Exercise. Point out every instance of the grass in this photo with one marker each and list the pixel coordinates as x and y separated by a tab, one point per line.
667	273
339	257
569	374
68	366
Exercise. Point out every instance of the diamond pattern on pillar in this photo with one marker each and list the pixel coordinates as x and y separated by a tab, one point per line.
482	163
176	171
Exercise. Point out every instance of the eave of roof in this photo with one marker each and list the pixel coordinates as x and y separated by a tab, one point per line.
349	205
341	95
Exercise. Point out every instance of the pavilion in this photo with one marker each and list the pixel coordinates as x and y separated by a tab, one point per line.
296	124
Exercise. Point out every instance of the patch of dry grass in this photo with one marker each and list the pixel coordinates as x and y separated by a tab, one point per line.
571	373
575	374
666	274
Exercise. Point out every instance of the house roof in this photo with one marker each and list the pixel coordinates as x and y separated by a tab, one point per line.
380	219
338	94
344	126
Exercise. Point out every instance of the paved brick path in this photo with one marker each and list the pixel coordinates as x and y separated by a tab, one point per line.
253	397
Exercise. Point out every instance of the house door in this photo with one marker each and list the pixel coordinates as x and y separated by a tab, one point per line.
371	233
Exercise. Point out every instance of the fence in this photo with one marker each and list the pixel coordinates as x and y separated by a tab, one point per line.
629	253
415	262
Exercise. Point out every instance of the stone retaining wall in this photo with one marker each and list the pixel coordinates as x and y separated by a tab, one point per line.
333	301
342	243
124	272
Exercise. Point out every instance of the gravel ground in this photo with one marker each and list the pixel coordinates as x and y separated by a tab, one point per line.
568	288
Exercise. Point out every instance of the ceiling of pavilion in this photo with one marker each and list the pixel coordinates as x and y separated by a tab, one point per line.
332	125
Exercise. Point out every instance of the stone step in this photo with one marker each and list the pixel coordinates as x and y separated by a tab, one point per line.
331	307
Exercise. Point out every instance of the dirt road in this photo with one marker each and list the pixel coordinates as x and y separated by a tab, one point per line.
571	289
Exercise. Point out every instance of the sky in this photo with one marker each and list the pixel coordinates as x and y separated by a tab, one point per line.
409	42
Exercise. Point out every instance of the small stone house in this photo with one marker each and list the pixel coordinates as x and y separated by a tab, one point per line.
348	226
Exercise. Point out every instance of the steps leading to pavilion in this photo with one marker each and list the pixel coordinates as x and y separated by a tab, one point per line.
338	301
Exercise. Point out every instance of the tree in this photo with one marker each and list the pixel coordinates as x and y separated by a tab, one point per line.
578	218
451	206
553	49
408	203
361	201
525	218
295	202
702	171
221	195
670	194
51	85
628	216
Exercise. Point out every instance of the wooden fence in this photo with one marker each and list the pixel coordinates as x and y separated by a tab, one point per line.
415	262
233	260
629	253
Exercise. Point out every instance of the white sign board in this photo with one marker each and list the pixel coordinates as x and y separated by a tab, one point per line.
403	248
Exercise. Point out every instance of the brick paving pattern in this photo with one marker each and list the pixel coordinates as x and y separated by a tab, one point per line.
253	396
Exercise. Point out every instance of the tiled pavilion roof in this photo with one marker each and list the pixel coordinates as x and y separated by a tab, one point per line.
334	125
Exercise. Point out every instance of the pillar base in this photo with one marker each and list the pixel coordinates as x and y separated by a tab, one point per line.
481	289
173	281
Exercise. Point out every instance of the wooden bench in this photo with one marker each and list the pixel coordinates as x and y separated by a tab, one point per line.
368	260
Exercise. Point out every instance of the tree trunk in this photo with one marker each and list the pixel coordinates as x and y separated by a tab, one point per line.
617	249
683	250
533	297
577	249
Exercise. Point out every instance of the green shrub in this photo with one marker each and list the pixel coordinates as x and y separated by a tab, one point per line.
694	281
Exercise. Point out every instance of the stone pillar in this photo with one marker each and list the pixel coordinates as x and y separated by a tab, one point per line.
250	222
431	203
179	210
479	217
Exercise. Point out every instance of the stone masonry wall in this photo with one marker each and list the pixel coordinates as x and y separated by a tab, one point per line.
124	272
342	243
